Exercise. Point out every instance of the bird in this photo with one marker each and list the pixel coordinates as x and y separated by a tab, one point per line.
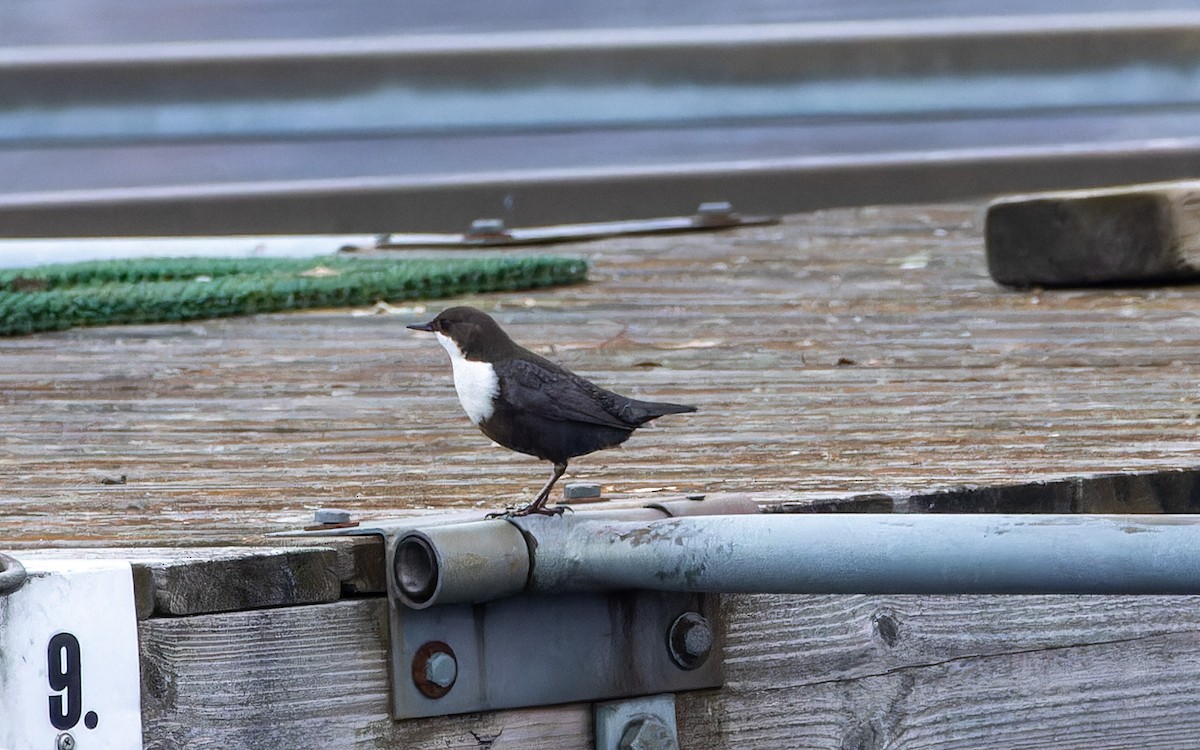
529	404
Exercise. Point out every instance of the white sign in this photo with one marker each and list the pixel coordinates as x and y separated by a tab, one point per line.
69	675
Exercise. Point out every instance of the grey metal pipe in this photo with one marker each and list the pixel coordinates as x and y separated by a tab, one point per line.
450	561
865	554
876	554
468	562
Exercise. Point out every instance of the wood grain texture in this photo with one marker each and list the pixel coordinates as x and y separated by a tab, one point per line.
952	672
839	353
308	677
1122	235
198	580
838	672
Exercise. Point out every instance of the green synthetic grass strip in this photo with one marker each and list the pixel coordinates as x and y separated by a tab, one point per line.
157	290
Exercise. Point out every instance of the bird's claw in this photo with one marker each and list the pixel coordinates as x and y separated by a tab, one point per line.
530	510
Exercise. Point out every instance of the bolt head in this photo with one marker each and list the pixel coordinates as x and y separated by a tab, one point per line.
64	741
690	640
715	208
715	214
647	734
331	515
441	670
486	227
434	669
581	491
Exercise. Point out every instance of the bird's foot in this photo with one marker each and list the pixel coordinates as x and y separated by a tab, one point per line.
531	510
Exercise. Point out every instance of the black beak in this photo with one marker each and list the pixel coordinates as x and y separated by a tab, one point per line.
428	327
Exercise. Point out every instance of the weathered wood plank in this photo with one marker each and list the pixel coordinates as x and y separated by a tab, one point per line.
1122	235
308	677
961	672
227	429
262	579
1170	491
199	580
802	671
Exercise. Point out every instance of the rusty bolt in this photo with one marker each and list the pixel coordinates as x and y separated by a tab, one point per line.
434	669
690	640
647	733
441	669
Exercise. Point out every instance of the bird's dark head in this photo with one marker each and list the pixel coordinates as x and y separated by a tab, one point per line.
473	331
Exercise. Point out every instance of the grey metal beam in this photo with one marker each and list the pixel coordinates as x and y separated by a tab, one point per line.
426	132
45	22
551	195
537	80
840	554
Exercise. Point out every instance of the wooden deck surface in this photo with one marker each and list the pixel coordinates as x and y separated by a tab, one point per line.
841	352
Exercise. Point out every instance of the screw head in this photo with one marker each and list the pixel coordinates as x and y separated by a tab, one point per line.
581	491
690	640
64	741
647	733
487	228
434	669
715	213
331	515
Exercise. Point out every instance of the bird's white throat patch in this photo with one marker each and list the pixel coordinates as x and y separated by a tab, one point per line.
476	382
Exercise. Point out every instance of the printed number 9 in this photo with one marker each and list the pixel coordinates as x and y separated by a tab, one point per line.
62	661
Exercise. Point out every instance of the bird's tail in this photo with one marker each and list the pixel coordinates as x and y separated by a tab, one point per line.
644	411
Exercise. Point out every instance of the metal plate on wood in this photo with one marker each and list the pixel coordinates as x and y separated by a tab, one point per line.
542	650
69	658
494	233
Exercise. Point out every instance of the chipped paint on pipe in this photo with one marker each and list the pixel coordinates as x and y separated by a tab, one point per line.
870	554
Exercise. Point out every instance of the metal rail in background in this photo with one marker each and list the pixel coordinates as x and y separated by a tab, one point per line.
802	554
429	132
544	80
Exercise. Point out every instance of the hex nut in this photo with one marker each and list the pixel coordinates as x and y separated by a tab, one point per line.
434	669
647	733
331	515
581	491
441	669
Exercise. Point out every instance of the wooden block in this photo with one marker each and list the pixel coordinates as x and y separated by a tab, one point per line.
250	580
358	560
1125	235
360	564
197	580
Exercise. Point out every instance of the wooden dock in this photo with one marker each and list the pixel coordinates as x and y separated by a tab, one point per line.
839	354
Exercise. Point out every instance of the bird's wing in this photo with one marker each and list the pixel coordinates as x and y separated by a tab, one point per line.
555	393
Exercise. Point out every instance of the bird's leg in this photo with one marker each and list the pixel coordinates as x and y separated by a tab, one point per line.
539	503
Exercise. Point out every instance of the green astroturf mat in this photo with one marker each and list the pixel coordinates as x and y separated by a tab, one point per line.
157	290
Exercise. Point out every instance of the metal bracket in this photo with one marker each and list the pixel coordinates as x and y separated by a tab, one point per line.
542	650
467	639
494	233
534	649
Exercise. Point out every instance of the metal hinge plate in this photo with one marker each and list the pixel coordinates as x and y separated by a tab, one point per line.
542	650
528	649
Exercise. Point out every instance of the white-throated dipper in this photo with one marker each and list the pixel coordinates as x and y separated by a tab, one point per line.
530	405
